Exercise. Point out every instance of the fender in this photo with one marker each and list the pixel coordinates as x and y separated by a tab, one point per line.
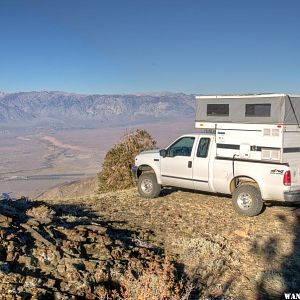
270	185
244	178
149	167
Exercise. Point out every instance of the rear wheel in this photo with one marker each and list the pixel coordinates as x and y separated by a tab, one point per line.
148	186
246	200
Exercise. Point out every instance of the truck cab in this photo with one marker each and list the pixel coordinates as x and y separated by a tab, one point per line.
185	163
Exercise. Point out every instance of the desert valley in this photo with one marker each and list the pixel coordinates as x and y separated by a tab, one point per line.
51	145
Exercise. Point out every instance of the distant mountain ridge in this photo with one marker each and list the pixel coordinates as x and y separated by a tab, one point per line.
62	107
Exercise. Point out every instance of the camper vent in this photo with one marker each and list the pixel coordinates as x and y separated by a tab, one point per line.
275	132
265	154
268	154
267	132
275	154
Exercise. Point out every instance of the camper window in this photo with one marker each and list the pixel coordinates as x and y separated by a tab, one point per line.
258	110
217	109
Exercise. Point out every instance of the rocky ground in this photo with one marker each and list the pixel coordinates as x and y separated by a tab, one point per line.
121	245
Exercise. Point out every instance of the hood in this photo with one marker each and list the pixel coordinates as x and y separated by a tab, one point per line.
150	151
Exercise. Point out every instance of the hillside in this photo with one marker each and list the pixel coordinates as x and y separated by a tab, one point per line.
62	108
83	247
74	189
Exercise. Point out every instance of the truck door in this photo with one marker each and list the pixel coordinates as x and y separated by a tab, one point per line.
201	165
176	167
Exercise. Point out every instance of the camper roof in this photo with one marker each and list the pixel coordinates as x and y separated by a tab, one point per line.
256	108
235	96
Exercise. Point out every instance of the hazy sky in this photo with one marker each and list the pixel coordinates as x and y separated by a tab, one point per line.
123	46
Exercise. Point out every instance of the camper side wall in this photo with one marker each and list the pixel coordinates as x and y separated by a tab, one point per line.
248	141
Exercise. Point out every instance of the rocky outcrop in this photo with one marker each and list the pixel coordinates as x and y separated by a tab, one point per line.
64	252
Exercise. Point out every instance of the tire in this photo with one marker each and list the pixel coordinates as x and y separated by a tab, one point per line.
148	186
247	201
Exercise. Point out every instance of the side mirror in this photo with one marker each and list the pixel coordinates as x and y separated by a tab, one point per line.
163	152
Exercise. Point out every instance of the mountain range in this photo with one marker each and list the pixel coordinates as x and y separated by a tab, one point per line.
69	108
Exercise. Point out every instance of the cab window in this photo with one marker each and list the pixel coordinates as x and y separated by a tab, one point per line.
203	147
182	147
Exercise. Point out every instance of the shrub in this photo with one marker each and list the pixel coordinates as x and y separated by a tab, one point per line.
156	282
116	169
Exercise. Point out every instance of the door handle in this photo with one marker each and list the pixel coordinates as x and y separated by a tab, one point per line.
189	164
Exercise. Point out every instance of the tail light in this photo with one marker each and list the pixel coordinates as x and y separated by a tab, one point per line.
287	178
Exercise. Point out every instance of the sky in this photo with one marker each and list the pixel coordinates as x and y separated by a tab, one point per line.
135	46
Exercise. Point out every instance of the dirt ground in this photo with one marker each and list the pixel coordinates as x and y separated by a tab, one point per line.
222	253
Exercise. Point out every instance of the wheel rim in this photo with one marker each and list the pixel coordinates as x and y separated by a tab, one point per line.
244	201
147	186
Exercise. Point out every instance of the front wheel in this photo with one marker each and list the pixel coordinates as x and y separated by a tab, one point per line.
246	200
148	186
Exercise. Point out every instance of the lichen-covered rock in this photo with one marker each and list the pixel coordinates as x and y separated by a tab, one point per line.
46	253
43	214
97	251
4	220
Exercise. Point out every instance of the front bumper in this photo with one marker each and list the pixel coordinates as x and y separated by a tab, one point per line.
293	196
134	170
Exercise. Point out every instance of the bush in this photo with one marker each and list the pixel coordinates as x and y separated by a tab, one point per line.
156	282
116	169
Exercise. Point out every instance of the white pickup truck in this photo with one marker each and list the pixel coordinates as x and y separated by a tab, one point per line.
191	163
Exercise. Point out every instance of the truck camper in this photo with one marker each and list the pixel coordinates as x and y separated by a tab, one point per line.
245	145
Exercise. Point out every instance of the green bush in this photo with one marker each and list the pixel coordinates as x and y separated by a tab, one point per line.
116	169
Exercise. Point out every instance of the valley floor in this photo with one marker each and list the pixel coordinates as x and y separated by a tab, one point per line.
34	160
